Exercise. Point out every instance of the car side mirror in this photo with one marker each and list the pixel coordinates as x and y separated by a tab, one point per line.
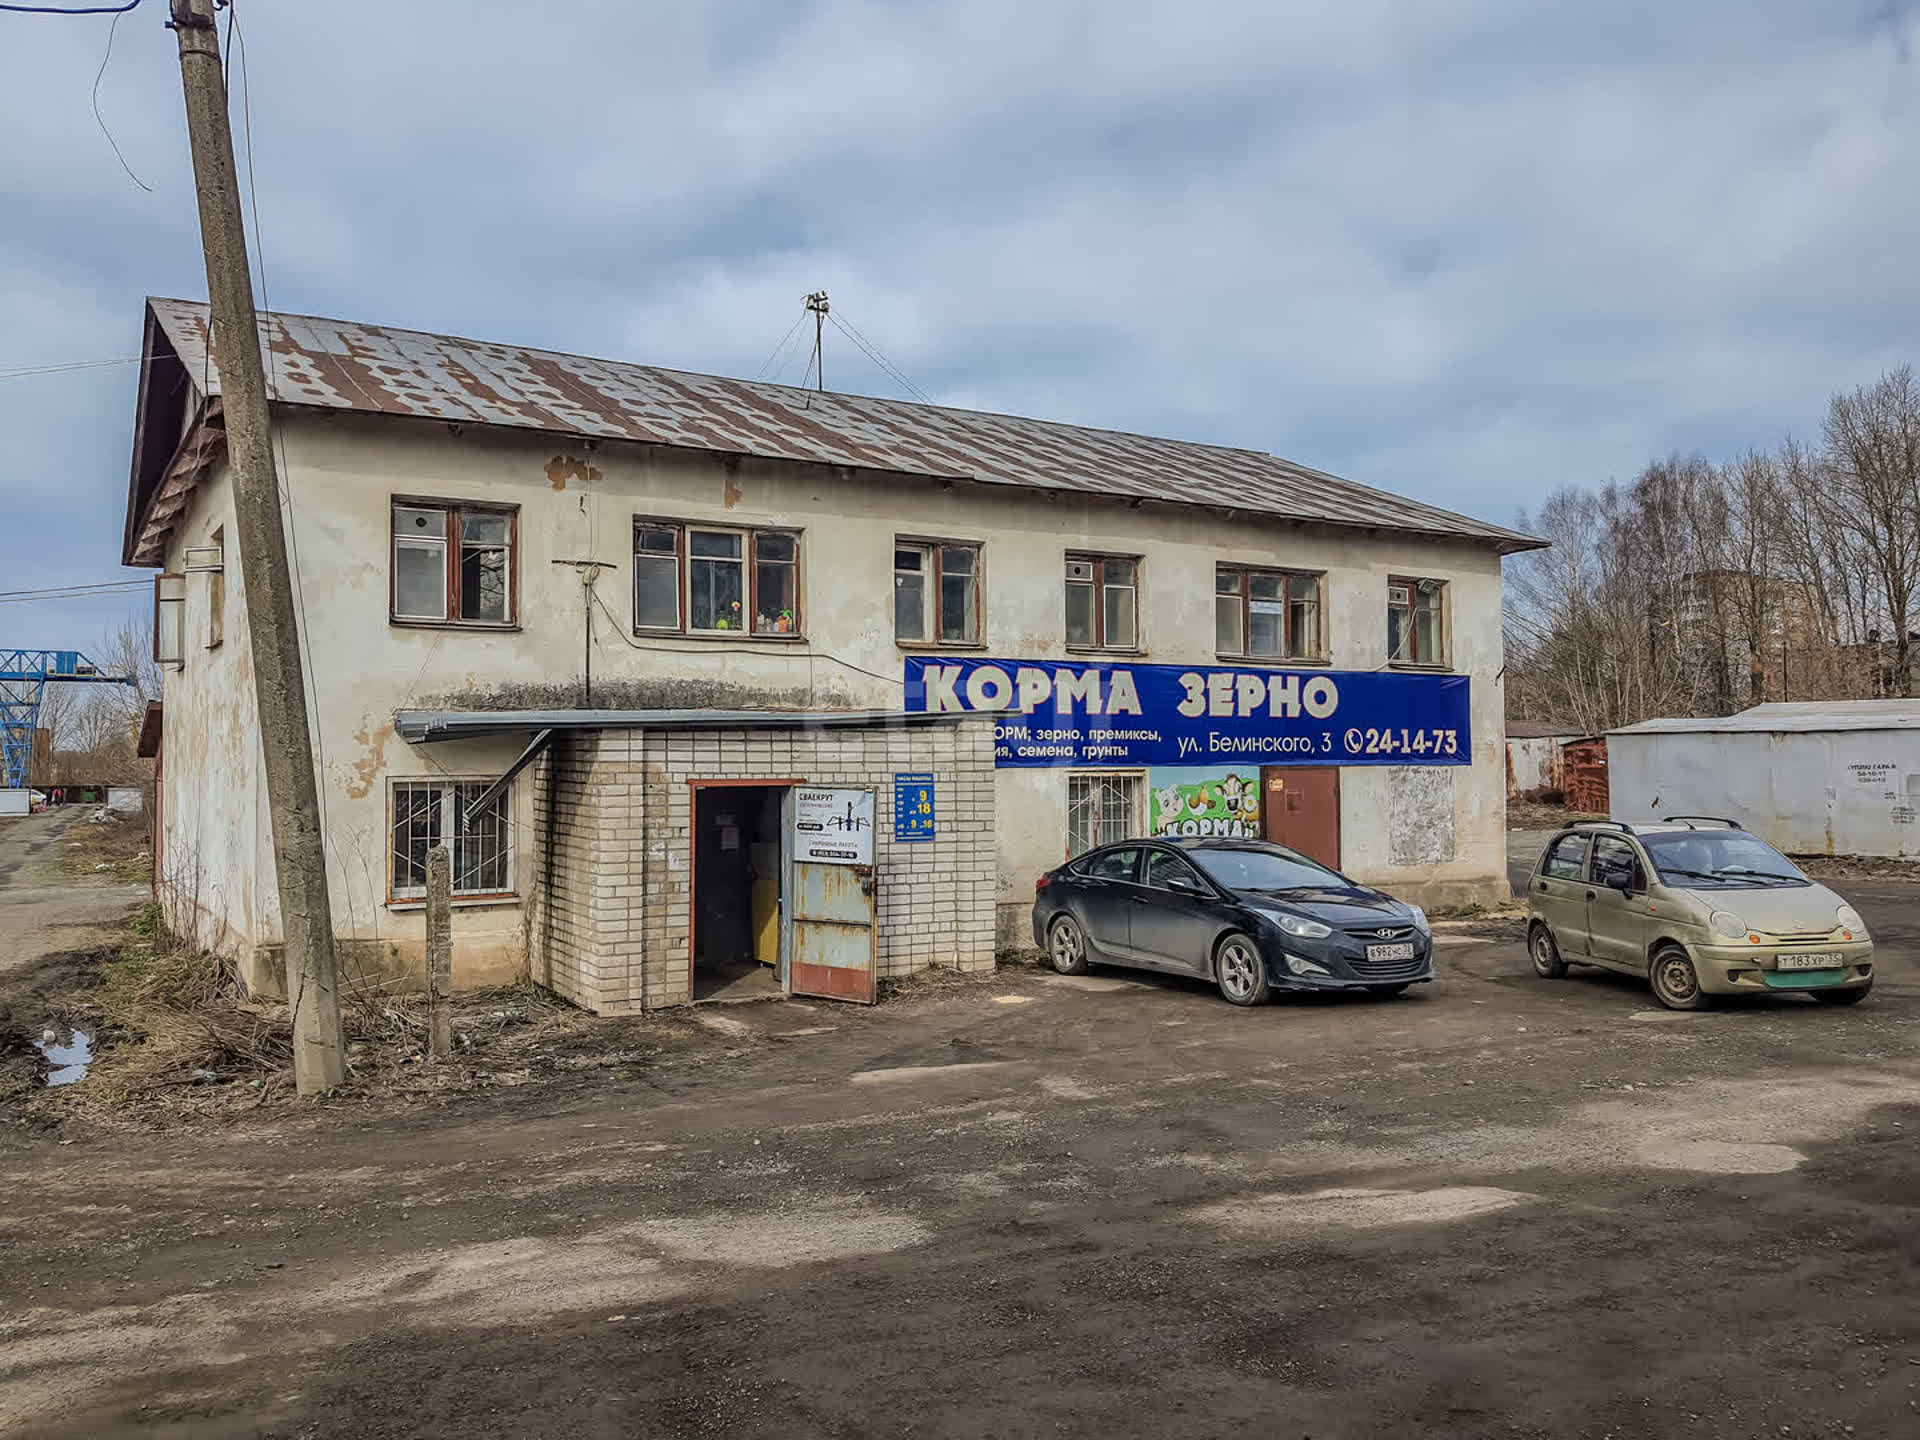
1621	880
1184	885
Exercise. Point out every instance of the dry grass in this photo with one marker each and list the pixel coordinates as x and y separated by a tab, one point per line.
108	846
1532	815
177	1031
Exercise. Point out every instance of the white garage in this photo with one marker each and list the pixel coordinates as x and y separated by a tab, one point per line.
1830	777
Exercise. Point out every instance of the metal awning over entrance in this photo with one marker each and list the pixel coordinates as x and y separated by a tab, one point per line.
420	727
417	727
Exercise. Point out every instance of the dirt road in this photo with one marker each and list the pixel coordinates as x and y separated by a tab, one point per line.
42	911
1043	1206
49	920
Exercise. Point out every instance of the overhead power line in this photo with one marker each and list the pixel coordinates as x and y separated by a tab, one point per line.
27	370
872	352
785	340
100	119
74	592
82	10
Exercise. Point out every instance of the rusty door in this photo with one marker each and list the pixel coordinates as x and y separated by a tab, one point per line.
830	926
1300	809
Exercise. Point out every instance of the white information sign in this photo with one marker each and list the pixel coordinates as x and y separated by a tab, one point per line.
833	827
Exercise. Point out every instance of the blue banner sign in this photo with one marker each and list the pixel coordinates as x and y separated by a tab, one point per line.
913	805
1064	713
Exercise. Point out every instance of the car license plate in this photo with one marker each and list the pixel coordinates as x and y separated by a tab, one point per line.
1402	951
1811	960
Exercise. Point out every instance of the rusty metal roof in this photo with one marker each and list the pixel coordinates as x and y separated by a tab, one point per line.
337	365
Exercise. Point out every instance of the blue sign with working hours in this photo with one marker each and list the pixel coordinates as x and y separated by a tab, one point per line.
913	806
1064	713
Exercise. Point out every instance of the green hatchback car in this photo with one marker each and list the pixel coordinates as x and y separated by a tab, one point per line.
1699	907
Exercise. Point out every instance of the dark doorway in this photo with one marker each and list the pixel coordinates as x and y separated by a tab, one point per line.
1300	809
736	891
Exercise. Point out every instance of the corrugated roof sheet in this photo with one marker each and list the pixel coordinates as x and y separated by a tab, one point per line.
1541	729
338	365
1796	716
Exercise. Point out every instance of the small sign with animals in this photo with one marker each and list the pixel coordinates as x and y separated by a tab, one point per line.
1205	800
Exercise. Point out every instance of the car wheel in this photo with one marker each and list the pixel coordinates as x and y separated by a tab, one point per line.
1675	983
1853	995
1067	946
1240	972
1545	955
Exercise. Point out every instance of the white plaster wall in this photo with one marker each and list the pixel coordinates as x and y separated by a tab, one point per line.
345	469
214	847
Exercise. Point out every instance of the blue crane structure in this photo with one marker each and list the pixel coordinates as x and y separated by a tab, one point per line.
24	676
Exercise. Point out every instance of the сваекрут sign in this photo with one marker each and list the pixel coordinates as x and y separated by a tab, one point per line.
1067	713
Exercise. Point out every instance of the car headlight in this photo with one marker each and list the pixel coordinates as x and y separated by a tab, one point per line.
1297	925
1849	919
1726	923
1420	921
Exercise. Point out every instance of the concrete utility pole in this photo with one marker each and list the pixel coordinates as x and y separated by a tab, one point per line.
293	801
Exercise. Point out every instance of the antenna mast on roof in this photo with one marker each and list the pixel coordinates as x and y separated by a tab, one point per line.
817	307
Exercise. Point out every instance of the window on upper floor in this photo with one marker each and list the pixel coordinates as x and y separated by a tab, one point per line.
1416	621
217	591
426	813
715	580
1267	614
170	619
1103	607
454	563
937	595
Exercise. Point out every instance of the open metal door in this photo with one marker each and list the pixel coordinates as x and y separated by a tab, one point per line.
830	932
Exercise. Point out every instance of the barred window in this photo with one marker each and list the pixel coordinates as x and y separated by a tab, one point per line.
426	812
1102	809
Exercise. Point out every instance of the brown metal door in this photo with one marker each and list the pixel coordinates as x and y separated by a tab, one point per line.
835	949
1300	809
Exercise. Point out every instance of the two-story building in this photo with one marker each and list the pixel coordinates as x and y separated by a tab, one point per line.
613	634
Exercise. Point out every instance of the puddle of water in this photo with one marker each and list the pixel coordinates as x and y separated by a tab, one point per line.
69	1058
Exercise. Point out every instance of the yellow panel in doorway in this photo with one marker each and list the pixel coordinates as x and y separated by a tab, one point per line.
765	860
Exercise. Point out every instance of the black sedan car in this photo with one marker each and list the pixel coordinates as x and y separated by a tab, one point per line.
1251	917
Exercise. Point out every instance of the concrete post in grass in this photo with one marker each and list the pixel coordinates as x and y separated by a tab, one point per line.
439	951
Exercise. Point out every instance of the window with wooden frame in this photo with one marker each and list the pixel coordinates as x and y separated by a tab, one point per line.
454	563
1266	614
427	813
693	579
217	591
1103	602
1416	621
170	619
937	596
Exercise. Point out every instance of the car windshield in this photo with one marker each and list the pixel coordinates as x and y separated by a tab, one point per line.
1272	869
1719	860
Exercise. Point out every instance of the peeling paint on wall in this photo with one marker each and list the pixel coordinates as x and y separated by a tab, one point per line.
563	468
368	769
1419	815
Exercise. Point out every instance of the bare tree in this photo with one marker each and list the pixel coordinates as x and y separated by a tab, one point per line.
1873	445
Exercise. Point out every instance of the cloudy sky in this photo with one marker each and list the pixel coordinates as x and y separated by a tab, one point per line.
1465	249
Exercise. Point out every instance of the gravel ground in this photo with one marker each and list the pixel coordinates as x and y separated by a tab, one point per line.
1032	1206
